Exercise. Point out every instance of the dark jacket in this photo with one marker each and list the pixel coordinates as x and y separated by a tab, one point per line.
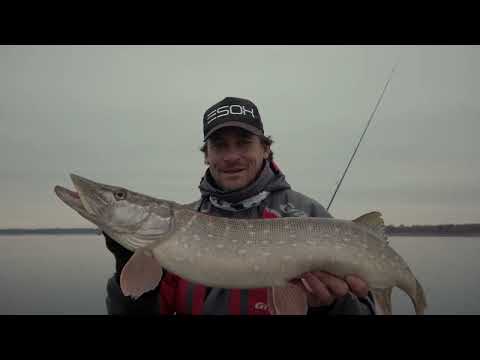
269	196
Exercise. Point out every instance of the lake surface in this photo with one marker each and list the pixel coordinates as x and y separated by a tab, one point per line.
67	274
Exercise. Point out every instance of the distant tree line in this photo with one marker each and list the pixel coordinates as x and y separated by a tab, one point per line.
427	230
391	230
48	231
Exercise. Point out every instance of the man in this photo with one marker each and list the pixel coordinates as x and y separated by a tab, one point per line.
242	181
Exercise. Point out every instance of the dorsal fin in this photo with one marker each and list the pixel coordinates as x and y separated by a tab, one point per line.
373	220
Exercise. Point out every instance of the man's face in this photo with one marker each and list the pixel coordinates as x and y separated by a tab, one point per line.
235	157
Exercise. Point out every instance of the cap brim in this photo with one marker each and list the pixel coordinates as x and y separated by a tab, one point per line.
238	124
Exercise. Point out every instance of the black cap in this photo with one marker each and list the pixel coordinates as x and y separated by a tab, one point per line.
232	111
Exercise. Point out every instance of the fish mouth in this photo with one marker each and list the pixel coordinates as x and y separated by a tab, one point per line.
88	193
86	200
72	199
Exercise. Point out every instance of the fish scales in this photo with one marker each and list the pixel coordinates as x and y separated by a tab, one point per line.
258	253
240	253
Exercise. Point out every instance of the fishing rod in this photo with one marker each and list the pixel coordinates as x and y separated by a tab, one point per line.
364	131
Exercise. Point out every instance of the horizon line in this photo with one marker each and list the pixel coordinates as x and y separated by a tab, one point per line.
97	229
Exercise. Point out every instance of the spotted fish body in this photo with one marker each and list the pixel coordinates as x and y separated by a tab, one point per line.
236	253
241	253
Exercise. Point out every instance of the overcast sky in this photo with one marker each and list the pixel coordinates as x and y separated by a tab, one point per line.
131	116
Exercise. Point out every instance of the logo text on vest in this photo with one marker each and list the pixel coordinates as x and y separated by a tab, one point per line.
261	306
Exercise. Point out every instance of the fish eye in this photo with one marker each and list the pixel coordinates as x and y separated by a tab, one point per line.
120	194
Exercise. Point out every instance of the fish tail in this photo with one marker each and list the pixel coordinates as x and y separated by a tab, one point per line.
383	300
419	300
416	294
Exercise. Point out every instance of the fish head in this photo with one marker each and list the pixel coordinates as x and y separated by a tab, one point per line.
132	219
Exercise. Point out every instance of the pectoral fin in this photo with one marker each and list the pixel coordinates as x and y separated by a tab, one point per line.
140	274
287	300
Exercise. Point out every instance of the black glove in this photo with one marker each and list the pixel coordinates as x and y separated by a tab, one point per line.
121	254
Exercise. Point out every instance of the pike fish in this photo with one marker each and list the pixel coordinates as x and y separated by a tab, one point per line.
241	253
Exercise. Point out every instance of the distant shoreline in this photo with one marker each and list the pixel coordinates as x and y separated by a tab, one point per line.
467	230
50	231
434	230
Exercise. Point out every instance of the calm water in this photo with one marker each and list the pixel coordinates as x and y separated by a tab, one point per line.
68	274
